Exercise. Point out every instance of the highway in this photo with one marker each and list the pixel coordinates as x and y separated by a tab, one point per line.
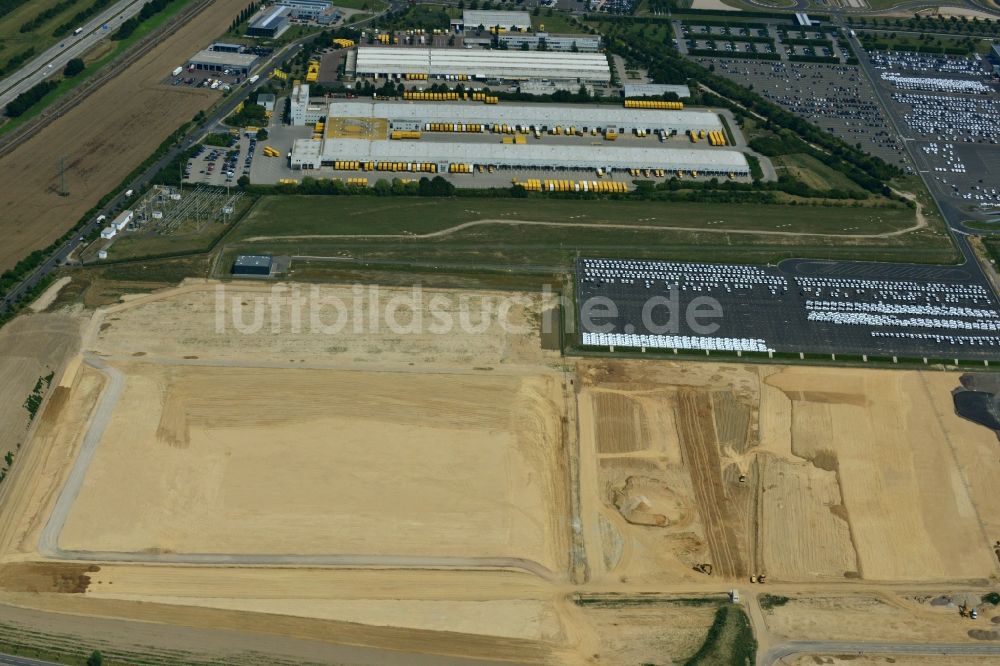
11	660
69	47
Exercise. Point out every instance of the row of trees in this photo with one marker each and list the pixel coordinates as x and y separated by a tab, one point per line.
952	24
42	17
29	98
16	61
81	17
149	10
250	10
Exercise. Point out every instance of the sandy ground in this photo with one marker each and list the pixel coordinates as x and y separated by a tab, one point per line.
713	4
846	473
241	460
102	139
253	322
840	484
869	618
49	295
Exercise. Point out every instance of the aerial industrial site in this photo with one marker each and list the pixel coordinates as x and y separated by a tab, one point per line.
613	332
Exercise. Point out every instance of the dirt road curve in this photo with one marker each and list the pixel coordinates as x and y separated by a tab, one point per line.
919	223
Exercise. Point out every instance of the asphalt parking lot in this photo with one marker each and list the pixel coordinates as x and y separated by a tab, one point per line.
788	308
836	97
220	166
950	110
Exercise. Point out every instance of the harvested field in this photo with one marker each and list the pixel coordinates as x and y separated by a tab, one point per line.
102	139
799	473
33	346
867	618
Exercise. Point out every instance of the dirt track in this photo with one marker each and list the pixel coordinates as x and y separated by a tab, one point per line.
102	139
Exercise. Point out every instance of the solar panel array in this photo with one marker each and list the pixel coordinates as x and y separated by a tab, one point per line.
763	308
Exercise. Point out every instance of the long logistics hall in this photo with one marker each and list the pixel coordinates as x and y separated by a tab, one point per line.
476	136
478	64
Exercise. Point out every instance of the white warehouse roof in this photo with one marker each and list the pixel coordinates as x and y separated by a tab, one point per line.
540	115
531	155
474	18
483	64
655	90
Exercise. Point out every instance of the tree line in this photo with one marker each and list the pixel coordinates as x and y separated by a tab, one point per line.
81	17
16	61
43	16
29	98
250	10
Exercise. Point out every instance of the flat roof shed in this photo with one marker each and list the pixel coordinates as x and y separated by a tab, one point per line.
217	61
473	18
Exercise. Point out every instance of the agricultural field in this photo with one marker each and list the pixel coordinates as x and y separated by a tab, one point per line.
102	139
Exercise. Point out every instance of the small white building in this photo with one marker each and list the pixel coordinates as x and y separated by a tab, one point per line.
102	254
108	232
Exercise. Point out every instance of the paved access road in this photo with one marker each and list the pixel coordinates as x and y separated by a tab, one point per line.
69	47
779	652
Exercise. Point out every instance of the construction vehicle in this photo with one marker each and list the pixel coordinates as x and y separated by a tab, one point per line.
705	568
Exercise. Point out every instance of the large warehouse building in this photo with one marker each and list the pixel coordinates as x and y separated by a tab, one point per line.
507	21
414	116
358	130
270	23
533	156
484	65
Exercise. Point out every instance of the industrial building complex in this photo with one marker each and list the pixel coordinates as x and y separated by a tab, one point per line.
460	137
478	64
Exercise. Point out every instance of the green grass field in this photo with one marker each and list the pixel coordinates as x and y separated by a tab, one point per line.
119	47
557	23
374	6
814	173
387	232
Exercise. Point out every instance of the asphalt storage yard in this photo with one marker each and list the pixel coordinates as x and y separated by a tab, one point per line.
811	307
835	97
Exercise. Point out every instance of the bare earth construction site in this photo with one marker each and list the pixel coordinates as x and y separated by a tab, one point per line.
472	494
